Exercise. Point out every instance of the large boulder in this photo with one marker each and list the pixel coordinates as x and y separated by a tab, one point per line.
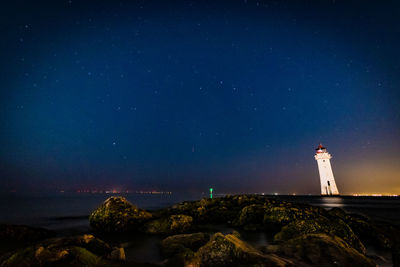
320	225
229	250
251	217
322	250
276	216
83	250
175	245
173	224
117	215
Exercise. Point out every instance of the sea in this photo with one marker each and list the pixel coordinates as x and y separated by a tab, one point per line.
68	213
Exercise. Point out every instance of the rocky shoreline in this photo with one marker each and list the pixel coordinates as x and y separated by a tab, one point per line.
301	235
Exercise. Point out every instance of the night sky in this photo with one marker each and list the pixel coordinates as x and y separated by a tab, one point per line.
187	95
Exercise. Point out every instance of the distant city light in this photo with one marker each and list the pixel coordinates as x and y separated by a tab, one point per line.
374	195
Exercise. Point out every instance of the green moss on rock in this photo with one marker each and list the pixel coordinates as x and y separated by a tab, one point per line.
251	217
280	215
117	215
169	225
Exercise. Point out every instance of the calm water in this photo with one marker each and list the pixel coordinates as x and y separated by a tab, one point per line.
69	212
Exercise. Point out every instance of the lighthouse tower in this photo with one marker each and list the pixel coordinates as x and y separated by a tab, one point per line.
328	185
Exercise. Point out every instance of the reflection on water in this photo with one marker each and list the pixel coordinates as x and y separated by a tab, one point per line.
332	202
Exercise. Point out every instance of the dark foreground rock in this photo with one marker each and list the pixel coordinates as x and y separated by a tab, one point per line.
13	237
229	250
334	227
322	250
117	215
251	217
378	234
220	250
83	250
183	244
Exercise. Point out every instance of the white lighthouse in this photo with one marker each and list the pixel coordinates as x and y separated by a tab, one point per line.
328	185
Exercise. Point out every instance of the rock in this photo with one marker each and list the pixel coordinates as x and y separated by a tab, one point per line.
236	233
251	217
370	232
207	210
229	250
217	210
118	254
72	251
251	212
13	237
117	215
320	225
89	242
323	250
169	225
277	216
381	235
178	244
45	256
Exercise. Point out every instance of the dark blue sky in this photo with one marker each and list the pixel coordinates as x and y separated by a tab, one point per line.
184	95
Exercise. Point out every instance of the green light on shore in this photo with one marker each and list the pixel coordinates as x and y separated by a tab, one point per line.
211	190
